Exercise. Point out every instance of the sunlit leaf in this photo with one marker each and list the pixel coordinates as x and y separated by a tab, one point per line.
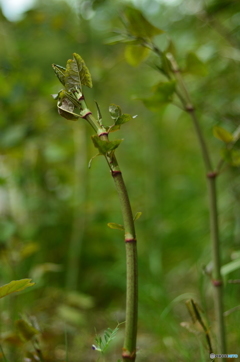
138	25
135	55
25	330
222	134
105	146
77	73
15	286
113	225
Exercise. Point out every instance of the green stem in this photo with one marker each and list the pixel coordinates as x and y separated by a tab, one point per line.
129	347
184	97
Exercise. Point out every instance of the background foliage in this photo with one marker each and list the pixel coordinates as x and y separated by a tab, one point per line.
54	210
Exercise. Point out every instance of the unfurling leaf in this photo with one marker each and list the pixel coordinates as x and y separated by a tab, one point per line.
60	72
25	330
137	216
222	134
136	54
138	25
105	146
15	286
77	73
113	225
115	111
66	108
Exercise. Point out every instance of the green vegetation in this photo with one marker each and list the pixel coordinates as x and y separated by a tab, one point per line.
54	210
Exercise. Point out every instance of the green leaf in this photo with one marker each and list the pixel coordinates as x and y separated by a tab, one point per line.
123	119
195	66
138	25
113	225
222	134
163	94
230	267
66	108
135	55
25	330
105	146
77	73
15	286
115	111
137	216
60	72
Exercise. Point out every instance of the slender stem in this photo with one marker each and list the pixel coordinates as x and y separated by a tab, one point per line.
184	97
129	347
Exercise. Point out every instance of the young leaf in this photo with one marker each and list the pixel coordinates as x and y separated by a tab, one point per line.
15	286
105	146
60	72
135	55
138	25
137	216
25	330
113	225
115	111
66	108
77	73
123	119
222	134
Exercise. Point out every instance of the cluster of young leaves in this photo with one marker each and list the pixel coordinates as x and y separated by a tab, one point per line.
231	150
73	77
105	146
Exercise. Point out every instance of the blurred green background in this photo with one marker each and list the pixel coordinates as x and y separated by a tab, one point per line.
54	210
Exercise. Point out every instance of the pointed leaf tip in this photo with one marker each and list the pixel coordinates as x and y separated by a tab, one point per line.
137	216
113	225
15	286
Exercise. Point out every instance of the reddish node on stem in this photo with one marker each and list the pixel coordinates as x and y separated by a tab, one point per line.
212	174
81	98
127	354
103	134
85	115
216	283
189	108
132	240
115	173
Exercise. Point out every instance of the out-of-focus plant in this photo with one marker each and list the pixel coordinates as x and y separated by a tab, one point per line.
138	37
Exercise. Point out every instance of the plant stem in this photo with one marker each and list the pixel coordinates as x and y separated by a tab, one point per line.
129	347
217	282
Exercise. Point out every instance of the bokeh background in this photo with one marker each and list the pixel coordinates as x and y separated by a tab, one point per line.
54	210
